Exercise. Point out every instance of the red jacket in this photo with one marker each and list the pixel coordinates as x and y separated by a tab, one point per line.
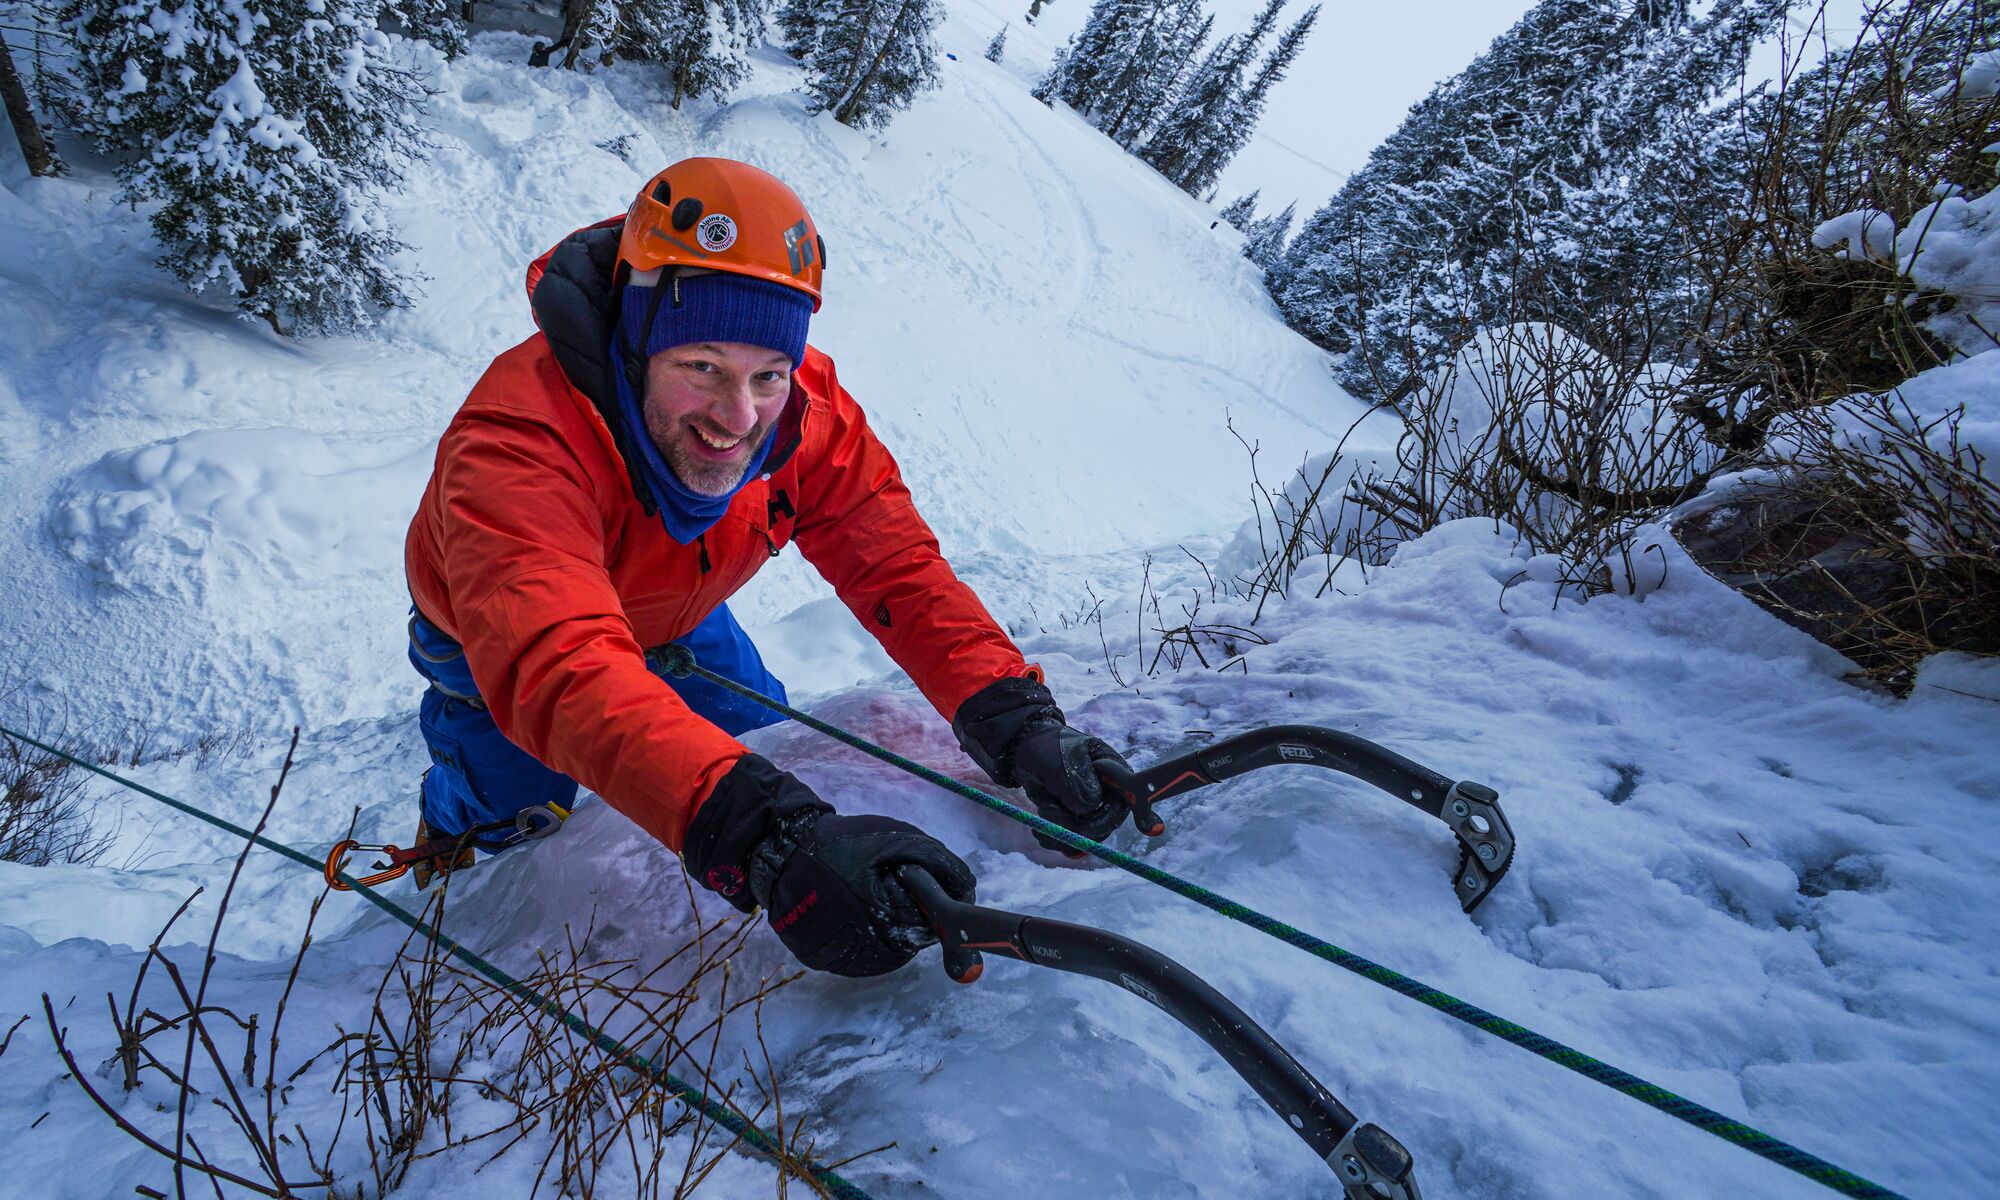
532	550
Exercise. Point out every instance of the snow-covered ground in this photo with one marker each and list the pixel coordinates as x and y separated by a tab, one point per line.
1739	876
1041	330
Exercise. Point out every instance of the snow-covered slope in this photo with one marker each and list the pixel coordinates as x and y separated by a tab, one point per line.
1041	329
1739	875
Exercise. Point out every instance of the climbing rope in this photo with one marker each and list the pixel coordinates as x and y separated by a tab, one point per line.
679	661
746	1131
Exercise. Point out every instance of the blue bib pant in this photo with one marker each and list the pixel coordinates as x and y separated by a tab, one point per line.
477	776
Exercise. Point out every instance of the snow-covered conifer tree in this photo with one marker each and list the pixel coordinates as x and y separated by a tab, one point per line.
35	149
589	29
1198	134
1126	64
1182	59
262	131
873	60
1179	137
702	43
1214	131
1232	134
1162	55
1050	87
439	22
1242	210
998	46
1082	73
800	21
1540	159
1264	240
1665	158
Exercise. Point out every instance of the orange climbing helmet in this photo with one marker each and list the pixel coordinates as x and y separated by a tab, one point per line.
718	214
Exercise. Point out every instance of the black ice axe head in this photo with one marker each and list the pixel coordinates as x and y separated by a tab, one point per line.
1470	810
1485	841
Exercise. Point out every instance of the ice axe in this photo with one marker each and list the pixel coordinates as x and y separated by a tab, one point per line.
1470	810
1369	1162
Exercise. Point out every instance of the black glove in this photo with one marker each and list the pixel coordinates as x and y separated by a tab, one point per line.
827	882
1018	736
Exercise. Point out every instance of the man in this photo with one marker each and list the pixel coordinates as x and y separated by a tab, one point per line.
608	484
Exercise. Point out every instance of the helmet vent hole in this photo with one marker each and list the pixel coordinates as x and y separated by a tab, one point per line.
822	251
686	213
663	192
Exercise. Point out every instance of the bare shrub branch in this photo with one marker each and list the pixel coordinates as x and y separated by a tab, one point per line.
44	809
437	1034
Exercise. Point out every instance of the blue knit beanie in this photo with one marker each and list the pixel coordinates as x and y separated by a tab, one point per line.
719	307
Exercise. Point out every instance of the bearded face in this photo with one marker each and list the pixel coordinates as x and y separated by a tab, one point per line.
710	405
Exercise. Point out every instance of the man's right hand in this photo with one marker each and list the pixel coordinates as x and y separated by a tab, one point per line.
826	882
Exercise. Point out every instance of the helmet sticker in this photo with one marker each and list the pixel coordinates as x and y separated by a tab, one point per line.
716	233
800	250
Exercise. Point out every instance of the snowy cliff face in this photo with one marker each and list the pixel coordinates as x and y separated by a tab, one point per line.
1738	875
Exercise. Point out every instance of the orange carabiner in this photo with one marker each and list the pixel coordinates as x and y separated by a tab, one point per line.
338	856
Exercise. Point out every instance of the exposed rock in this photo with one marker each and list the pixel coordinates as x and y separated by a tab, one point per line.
1798	555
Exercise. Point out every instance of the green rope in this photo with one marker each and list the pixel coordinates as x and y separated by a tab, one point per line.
694	1098
679	661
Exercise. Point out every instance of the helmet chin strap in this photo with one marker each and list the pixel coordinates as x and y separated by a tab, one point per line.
635	356
635	378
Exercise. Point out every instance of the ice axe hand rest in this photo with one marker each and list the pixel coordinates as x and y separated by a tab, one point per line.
1470	810
1370	1164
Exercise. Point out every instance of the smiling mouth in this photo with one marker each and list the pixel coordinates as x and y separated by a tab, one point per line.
714	444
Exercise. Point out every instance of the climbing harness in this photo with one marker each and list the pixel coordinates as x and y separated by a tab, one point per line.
531	824
1370	1164
679	661
744	1131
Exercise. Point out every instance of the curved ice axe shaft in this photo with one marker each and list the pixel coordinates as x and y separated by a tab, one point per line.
1370	1164
1471	810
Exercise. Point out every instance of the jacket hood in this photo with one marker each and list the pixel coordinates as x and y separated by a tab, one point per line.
573	293
575	306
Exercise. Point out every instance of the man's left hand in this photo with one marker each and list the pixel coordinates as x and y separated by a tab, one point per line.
1015	732
1058	767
